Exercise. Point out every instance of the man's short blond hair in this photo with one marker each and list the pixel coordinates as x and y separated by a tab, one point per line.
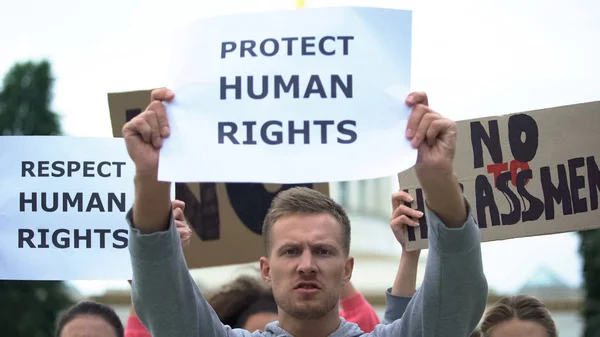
303	200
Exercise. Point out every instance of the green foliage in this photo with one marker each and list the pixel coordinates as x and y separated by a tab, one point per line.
25	101
29	308
590	252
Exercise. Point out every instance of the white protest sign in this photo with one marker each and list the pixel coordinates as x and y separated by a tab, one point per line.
63	206
311	95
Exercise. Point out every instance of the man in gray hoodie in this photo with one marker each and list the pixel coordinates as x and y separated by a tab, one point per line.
307	239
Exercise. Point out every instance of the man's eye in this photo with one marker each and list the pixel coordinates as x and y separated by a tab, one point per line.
324	251
290	251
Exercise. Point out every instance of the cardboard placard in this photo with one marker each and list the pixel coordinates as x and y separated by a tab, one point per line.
525	174
226	217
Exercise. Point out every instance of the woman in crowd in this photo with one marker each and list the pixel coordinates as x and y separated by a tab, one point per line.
89	318
245	303
517	316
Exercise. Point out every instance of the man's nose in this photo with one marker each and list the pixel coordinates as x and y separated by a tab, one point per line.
307	263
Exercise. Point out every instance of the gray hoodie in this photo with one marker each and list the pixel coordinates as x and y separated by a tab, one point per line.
449	303
346	329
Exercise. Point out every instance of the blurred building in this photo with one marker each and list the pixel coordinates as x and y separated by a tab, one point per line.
369	198
546	285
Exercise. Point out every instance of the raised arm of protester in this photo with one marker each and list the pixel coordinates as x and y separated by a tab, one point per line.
134	327
355	307
307	242
452	296
400	294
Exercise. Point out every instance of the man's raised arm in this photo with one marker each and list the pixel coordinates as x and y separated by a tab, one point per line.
452	297
144	136
165	297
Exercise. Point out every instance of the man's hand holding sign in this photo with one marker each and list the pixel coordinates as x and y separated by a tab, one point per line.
435	137
144	137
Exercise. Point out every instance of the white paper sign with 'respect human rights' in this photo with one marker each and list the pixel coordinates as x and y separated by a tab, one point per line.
310	95
63	206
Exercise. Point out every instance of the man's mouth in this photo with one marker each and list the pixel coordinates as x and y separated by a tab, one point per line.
307	285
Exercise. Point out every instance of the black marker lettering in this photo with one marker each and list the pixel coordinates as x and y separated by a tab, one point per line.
229	134
249	135
274	47
265	88
306	44
560	193
594	181
120	235
491	141
43	168
26	236
515	204
518	125
237	87
484	198
347	132
227	47
577	183
536	206
323	125
293	85
62	242
322	45
27	168
277	134
248	46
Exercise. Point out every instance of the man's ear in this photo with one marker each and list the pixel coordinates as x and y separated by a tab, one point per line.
348	268
265	270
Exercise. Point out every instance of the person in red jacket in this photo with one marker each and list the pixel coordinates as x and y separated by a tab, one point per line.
245	303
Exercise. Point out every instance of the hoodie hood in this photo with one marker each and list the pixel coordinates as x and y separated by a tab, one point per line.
346	329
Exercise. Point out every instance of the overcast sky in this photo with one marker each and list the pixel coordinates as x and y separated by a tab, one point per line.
474	58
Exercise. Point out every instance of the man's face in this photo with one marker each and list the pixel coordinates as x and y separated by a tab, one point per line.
307	268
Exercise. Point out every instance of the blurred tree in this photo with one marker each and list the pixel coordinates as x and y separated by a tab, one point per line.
29	308
590	252
25	101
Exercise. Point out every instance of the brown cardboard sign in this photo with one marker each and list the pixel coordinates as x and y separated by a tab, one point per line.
226	217
525	174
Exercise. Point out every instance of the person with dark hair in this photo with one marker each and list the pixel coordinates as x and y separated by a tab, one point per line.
245	303
518	316
89	319
307	242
